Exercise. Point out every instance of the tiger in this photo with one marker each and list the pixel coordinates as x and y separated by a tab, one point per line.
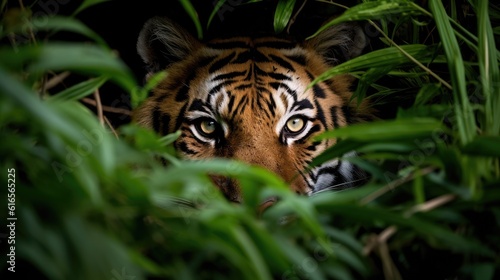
248	98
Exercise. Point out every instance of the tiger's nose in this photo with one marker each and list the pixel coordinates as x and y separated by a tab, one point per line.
229	188
231	191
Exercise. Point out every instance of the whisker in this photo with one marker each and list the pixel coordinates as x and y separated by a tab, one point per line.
337	186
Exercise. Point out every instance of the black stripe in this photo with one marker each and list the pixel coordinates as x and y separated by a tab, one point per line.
260	72
184	148
302	104
198	105
300	59
250	73
243	57
161	97
182	94
346	110
260	102
271	105
230	104
219	86
318	91
180	117
334	111
310	75
240	107
165	124
320	115
243	86
279	77
283	63
217	65
206	60
277	85
263	90
313	146
259	57
156	119
229	75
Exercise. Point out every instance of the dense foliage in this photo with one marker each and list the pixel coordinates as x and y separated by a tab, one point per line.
94	202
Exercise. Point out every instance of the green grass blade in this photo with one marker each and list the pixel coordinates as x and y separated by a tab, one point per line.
388	57
80	90
255	259
191	11
364	214
60	23
488	146
463	110
139	95
283	14
86	4
80	58
386	130
373	10
488	68
216	9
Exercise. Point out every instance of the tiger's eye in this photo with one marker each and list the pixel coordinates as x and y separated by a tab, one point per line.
208	126
295	124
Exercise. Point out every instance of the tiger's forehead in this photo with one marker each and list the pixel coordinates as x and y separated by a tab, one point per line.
244	70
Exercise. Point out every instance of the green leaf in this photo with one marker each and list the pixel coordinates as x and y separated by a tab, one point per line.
386	130
283	14
70	56
139	95
86	4
216	9
488	146
191	11
373	10
384	58
489	70
448	238
80	90
463	110
60	23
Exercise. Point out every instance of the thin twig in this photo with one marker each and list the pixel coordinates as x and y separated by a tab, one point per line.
56	80
380	238
111	127
100	114
108	108
30	29
411	58
424	207
394	184
431	204
292	20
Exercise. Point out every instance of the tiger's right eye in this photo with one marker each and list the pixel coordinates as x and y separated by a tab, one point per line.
207	127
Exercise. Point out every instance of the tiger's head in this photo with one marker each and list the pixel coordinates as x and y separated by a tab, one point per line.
249	99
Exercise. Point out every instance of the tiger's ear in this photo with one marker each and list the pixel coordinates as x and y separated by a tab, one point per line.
162	42
339	43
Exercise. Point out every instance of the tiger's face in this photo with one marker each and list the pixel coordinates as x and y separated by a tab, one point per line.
249	99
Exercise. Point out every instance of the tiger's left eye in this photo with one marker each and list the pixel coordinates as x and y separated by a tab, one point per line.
295	124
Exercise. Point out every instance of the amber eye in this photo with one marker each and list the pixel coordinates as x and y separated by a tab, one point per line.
295	124
207	127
